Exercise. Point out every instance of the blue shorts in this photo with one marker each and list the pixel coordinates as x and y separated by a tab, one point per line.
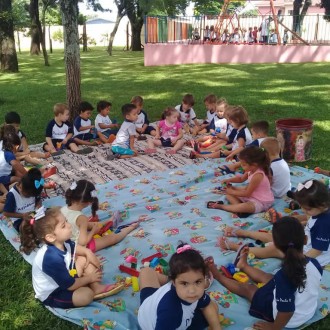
122	151
108	132
166	142
84	137
262	304
5	179
149	129
60	299
55	141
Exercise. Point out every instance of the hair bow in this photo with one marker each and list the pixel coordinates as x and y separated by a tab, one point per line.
181	249
40	213
73	185
305	185
39	183
94	193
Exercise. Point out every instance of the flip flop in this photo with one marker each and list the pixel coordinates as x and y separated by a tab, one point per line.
232	231
272	215
116	219
58	153
239	254
208	205
85	151
110	290
49	171
141	138
224	169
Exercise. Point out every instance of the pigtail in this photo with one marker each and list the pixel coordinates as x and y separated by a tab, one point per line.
29	241
265	164
294	267
68	196
95	206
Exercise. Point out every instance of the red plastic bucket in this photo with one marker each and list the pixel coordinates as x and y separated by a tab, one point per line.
295	137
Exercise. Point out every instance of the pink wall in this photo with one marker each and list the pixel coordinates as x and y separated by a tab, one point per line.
166	54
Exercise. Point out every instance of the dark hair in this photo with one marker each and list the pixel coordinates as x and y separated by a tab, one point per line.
238	114
188	99
289	237
85	106
30	182
211	98
187	260
168	112
256	155
83	194
10	139
127	108
261	126
12	118
6	129
317	196
33	234
101	105
137	100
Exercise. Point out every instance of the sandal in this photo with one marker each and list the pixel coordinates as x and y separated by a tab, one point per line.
239	253
224	169
208	205
230	231
109	290
272	215
85	151
141	138
225	246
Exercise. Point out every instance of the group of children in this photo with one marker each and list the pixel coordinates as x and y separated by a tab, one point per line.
66	272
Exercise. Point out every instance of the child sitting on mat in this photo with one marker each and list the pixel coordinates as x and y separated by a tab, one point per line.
257	196
168	133
290	297
181	303
64	274
80	195
24	197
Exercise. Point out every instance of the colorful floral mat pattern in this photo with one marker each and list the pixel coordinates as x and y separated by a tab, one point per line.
171	206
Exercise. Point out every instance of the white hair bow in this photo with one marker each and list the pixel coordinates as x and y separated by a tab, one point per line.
94	193
39	214
305	185
73	185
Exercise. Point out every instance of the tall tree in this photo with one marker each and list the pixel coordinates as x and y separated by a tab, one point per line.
21	19
300	8
35	27
69	10
8	55
213	7
326	5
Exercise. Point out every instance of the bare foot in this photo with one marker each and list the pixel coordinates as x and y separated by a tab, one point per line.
225	244
242	261
233	232
170	152
130	228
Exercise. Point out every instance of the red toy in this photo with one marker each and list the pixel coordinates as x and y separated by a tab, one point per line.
128	270
148	259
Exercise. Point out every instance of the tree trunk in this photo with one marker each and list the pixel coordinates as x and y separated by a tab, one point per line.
42	32
69	10
35	30
114	31
84	38
8	55
136	36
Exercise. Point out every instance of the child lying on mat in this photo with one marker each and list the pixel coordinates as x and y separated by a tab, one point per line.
64	274
287	299
314	199
257	195
80	195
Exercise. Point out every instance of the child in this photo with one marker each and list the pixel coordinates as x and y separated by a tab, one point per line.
64	274
24	153
255	34
285	37
279	167
80	195
11	170
235	37
187	114
24	197
168	133
210	102
195	34
225	36
59	131
142	123
105	128
250	36
314	199
287	299
273	37
257	196
123	145
207	33
259	132
181	303
238	119
82	126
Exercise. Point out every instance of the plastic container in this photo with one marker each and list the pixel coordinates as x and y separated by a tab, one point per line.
295	137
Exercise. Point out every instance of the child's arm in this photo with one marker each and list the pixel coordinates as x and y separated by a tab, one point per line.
131	143
179	136
157	136
247	192
236	179
67	138
50	144
25	146
280	322
18	168
83	128
196	122
211	315
313	253
241	146
84	235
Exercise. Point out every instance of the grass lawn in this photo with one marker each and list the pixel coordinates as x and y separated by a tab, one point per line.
267	91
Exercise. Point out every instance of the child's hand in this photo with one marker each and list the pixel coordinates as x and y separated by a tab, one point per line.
157	137
229	158
95	276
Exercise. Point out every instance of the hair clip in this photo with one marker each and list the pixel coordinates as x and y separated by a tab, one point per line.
39	214
305	185
39	183
181	249
94	193
73	185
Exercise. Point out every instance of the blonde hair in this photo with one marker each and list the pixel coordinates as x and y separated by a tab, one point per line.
60	108
272	145
137	100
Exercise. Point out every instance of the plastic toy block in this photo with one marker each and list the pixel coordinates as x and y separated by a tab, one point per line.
163	262
131	259
156	255
128	270
159	269
154	262
231	268
135	284
226	272
241	277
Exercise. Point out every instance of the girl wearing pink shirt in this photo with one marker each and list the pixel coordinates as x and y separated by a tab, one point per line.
257	196
169	133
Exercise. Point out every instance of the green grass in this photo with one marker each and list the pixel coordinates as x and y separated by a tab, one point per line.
267	91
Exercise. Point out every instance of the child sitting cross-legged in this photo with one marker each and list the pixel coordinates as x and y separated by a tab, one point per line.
168	133
64	274
257	196
290	297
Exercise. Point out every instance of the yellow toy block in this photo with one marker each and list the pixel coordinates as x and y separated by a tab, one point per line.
241	277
